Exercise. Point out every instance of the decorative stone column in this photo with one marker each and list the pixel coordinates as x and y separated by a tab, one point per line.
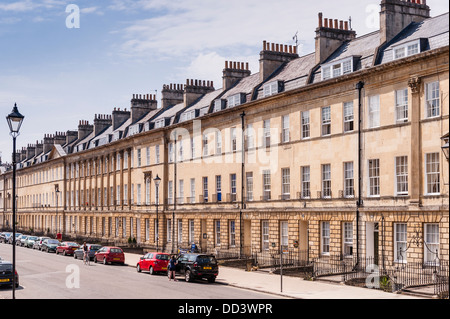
415	180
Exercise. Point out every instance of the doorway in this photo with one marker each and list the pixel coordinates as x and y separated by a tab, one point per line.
372	241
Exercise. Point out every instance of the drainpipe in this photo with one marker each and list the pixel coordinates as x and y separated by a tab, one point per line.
359	203
242	185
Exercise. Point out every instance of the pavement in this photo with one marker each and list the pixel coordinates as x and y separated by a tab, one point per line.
288	286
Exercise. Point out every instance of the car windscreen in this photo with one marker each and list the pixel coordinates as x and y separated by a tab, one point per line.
32	238
72	244
53	241
116	250
206	260
95	247
163	257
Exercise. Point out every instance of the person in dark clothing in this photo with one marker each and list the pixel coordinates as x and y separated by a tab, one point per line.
172	264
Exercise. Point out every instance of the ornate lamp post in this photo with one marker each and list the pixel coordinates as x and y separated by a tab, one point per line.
157	180
15	122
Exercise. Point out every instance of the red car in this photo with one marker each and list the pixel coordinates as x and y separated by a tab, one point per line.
153	262
67	248
110	255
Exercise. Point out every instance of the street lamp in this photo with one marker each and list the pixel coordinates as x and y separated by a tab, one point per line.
15	122
157	180
445	146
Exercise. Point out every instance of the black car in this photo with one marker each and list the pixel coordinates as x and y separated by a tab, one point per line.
197	266
50	245
6	274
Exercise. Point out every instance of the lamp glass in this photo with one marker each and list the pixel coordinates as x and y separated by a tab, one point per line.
15	120
157	180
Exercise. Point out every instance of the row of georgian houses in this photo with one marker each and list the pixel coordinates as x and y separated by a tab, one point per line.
333	152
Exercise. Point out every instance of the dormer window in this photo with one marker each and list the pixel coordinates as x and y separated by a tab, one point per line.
335	69
236	99
186	116
159	123
272	88
133	129
406	49
219	104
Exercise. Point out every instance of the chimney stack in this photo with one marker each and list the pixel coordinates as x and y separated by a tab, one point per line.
49	140
172	94
330	34
196	88
71	136
31	150
101	122
141	105
38	148
273	56
84	129
395	15
233	72
119	117
60	138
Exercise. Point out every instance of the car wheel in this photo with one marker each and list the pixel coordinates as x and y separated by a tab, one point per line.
188	276
151	271
138	268
104	261
64	253
212	279
95	259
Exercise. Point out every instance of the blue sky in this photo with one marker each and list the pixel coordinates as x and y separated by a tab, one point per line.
59	75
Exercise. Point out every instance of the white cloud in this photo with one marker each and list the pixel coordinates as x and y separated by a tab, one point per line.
180	28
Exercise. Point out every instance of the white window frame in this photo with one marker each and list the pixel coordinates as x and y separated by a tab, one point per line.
349	184
249	188
217	232
348	116
374	177
400	242
306	182
232	233
270	88
338	68
347	239
401	105
286	183
266	184
373	111
406	49
305	119
326	121
432	96
432	174
285	129
234	100
431	239
265	235
284	234
160	123
326	180
325	238
401	175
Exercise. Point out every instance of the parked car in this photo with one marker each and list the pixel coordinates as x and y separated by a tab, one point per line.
153	262
6	274
38	243
79	253
30	241
197	266
11	240
109	254
4	237
67	248
21	240
49	245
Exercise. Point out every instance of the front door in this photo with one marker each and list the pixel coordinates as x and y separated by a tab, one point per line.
372	241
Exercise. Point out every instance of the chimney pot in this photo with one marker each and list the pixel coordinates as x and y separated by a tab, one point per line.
320	19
